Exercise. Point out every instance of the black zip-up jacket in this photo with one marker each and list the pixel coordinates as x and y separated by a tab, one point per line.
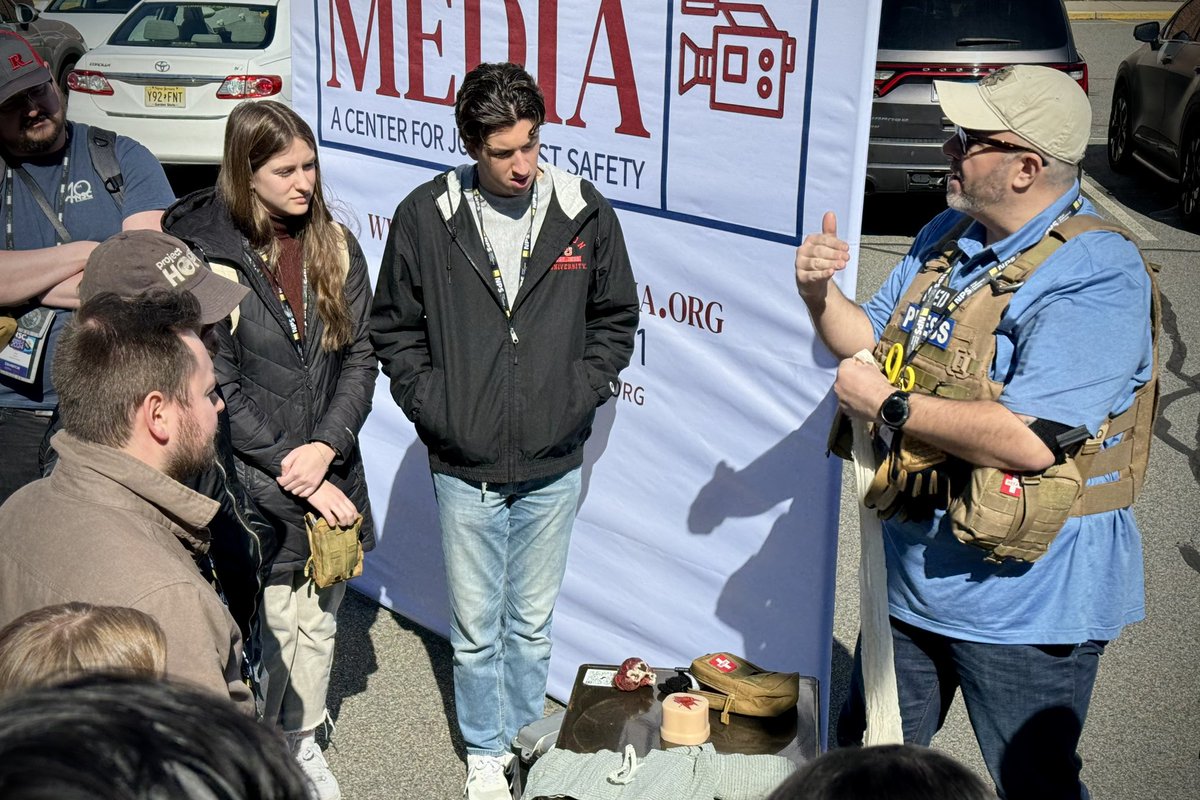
493	401
279	396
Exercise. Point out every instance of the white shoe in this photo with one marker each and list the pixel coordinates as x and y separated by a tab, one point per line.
488	777
306	751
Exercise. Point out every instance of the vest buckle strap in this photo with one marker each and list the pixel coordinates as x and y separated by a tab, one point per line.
959	366
1003	285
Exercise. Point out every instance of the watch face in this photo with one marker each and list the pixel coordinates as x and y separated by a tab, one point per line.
894	411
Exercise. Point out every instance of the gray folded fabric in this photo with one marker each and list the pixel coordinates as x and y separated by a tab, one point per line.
681	773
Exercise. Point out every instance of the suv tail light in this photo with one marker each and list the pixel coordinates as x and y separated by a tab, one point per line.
241	87
88	82
1077	70
889	76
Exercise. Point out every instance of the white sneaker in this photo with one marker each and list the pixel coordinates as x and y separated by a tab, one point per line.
322	784
488	777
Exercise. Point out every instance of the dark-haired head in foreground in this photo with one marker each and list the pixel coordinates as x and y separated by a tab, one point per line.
887	772
104	737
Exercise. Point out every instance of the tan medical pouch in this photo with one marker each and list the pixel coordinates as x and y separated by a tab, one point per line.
337	554
733	684
1015	515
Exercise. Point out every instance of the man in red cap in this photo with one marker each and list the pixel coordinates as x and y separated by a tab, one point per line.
56	209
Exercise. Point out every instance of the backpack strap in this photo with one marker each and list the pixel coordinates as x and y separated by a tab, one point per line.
102	147
229	272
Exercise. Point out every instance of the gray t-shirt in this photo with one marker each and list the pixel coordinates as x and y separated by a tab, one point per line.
506	223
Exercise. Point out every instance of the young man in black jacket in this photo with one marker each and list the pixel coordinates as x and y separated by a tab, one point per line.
504	311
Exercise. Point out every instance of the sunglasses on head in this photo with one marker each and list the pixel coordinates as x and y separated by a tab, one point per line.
967	138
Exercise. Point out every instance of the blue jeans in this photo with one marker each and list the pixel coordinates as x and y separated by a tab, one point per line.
1027	705
505	547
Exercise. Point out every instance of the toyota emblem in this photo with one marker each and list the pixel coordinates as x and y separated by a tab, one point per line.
162	66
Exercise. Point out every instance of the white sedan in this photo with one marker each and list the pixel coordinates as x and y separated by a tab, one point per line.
171	73
94	19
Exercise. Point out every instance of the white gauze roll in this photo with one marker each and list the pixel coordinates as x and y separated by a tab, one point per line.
879	667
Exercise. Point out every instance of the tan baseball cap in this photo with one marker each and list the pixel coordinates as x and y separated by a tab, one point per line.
1044	106
133	261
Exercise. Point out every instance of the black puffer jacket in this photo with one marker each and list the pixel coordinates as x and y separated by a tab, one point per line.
279	397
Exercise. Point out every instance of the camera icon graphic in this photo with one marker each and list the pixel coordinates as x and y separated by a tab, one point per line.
747	64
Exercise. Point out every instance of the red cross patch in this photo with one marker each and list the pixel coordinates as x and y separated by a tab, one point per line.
1010	485
723	662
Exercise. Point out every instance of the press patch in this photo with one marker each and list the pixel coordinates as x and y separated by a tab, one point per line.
942	328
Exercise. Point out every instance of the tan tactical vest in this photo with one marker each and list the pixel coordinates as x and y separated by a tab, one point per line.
915	478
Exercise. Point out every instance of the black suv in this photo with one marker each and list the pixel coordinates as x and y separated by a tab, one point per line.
1155	117
923	40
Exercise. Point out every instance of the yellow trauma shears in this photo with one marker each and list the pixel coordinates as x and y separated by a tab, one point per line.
897	373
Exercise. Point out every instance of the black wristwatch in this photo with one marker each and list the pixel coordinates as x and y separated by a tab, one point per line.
894	411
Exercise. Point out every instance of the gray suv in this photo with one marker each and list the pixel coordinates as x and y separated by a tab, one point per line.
1155	117
59	44
923	40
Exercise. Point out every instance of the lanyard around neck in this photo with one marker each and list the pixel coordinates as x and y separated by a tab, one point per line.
938	304
289	314
491	254
54	215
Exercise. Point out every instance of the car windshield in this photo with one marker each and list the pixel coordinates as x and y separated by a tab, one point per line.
91	6
964	25
227	27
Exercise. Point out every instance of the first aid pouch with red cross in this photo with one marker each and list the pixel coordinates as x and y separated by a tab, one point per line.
1015	515
733	684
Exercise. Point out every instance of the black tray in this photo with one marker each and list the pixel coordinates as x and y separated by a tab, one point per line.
605	718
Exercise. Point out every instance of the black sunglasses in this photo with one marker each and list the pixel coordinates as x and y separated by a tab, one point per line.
967	138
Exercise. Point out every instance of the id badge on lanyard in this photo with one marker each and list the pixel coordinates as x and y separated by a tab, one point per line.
23	354
21	357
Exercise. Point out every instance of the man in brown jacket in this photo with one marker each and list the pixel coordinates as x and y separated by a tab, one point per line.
113	525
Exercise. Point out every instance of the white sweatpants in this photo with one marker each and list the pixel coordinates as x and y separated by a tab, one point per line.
299	622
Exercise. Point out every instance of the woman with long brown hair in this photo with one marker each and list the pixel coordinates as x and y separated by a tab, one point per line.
297	371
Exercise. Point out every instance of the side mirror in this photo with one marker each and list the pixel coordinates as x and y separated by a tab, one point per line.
26	14
1147	32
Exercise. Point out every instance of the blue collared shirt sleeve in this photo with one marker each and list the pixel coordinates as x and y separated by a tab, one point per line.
879	308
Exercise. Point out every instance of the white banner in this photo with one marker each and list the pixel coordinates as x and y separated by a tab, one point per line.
721	132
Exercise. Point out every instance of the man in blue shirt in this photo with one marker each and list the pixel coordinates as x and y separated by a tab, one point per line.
1020	639
40	267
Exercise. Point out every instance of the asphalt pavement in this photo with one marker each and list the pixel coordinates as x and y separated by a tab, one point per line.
391	690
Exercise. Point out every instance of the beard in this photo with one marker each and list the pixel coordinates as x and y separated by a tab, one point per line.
194	452
985	192
34	144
